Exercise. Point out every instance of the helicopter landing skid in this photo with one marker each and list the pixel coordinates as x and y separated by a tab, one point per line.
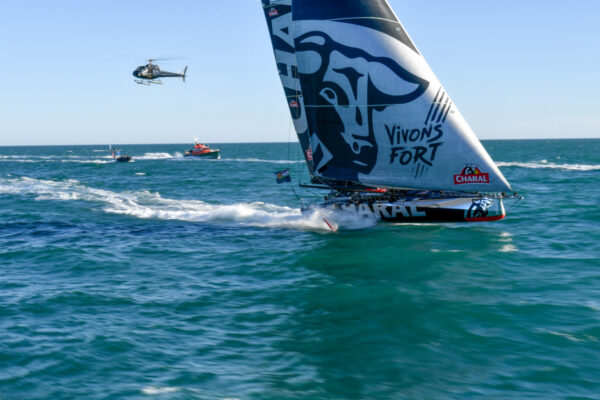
148	83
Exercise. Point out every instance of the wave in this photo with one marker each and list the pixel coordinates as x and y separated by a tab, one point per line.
34	157
153	390
145	204
258	160
545	164
57	158
145	157
21	161
28	158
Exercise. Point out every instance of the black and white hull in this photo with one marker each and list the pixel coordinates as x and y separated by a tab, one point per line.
441	209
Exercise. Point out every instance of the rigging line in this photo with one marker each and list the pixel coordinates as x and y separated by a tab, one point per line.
288	157
515	203
289	138
298	94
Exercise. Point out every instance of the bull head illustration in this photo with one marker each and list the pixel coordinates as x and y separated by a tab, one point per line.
342	86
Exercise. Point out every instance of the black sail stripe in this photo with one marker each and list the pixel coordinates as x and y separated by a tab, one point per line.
374	14
438	106
432	104
443	109
447	111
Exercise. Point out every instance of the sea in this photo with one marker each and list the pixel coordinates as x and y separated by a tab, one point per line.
171	278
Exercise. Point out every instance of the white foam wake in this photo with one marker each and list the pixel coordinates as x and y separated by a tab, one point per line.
64	159
145	204
91	161
545	164
158	156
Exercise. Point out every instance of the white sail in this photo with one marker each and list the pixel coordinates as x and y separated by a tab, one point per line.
375	111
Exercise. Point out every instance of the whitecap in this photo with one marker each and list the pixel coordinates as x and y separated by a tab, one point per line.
546	164
566	336
508	248
594	305
258	160
153	390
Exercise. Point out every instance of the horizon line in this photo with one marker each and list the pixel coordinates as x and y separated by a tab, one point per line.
273	142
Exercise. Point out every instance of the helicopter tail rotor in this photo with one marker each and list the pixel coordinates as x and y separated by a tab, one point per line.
184	73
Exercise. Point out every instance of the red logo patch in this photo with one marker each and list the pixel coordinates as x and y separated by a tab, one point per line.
309	154
273	12
294	104
471	174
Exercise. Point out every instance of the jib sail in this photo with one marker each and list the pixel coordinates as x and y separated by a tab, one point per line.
375	112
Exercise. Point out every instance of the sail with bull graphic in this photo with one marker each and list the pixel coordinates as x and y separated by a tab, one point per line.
367	107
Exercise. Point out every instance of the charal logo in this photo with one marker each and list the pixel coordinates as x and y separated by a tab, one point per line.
471	174
294	104
309	154
273	12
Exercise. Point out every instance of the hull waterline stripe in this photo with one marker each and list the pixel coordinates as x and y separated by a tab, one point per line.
486	219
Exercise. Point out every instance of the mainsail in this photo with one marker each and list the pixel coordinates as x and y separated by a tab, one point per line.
279	20
368	108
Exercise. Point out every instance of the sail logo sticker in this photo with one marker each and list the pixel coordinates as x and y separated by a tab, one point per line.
471	174
273	12
309	154
294	104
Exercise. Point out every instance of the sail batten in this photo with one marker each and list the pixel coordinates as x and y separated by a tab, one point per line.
373	111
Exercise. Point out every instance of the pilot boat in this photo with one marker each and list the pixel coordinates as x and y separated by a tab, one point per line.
376	127
201	150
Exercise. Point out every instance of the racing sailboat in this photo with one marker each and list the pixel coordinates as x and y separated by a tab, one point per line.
376	127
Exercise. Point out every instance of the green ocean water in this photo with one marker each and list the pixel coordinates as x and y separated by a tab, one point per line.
169	278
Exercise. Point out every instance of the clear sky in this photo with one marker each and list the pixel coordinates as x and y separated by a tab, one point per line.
515	68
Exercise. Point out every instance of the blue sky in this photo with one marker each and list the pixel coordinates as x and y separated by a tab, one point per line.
516	69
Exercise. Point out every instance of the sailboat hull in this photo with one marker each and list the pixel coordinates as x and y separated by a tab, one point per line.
459	209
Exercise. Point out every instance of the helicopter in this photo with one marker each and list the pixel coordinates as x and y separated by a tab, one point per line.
147	73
